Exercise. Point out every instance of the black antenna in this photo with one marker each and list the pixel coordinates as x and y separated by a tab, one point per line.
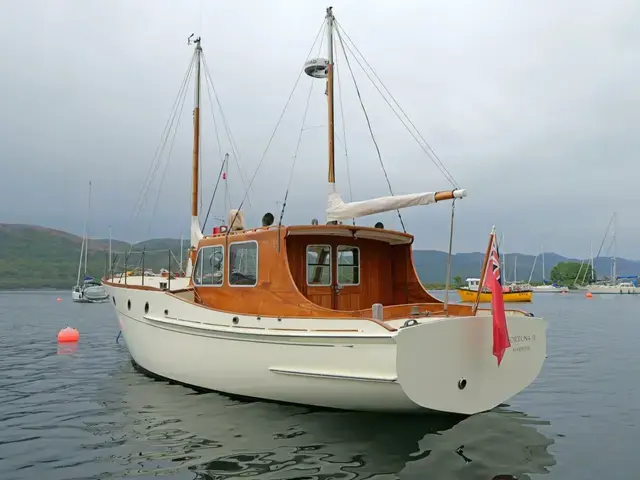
189	39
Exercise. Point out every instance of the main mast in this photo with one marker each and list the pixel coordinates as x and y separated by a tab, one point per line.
332	172
196	231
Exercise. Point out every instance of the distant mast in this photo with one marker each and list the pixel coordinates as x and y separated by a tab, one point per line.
110	253
615	253
86	248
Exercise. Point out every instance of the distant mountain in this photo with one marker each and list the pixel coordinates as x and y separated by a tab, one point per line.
38	257
432	265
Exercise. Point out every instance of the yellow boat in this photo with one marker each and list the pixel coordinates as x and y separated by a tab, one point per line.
469	293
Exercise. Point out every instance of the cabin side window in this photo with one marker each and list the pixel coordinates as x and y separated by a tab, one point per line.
318	265
348	265
209	269
243	264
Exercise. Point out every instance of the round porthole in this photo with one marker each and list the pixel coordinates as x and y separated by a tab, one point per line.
235	320
146	307
166	312
462	383
128	304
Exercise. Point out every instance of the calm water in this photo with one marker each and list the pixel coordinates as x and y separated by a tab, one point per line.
88	414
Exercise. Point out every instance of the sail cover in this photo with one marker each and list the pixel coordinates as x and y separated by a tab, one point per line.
338	210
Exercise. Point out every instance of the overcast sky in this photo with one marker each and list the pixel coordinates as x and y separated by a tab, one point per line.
533	106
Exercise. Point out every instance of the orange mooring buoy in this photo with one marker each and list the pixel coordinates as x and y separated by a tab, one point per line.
68	334
588	295
58	299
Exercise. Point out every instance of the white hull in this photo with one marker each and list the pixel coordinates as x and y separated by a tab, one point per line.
92	294
549	289
305	361
613	290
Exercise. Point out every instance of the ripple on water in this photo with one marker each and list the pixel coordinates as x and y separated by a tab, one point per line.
89	414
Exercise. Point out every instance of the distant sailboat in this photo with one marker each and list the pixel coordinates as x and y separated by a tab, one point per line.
613	286
89	291
546	288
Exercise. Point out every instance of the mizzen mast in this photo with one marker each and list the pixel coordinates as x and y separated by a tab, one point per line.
196	132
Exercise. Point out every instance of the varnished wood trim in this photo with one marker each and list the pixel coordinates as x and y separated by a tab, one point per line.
132	287
379	323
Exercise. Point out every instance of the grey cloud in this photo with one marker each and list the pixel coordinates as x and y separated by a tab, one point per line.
532	106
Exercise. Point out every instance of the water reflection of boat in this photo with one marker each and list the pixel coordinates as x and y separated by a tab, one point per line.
174	430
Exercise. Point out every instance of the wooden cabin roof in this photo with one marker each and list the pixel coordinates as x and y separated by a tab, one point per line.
391	237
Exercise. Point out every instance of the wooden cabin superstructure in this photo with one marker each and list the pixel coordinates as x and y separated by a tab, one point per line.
316	271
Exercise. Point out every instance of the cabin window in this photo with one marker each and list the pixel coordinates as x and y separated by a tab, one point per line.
209	266
243	264
348	265
318	265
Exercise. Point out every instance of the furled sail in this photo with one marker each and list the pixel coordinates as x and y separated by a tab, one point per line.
338	210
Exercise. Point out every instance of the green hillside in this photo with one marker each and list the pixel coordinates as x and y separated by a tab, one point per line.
36	257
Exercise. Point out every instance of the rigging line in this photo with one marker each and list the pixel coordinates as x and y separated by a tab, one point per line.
165	130
273	134
375	143
606	233
213	116
164	173
295	154
163	146
344	131
215	189
215	129
234	146
431	153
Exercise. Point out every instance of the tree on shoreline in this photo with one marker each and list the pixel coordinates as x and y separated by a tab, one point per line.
566	273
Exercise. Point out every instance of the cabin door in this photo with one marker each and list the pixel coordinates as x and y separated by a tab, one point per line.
333	276
346	284
320	275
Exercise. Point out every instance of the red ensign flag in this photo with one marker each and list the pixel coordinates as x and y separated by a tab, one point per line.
493	280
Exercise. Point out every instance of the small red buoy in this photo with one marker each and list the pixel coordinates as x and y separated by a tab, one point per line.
588	295
68	334
58	299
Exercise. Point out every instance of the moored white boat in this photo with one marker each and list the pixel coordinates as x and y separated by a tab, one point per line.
90	290
621	288
327	315
549	289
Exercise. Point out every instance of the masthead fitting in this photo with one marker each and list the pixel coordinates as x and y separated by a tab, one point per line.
196	41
